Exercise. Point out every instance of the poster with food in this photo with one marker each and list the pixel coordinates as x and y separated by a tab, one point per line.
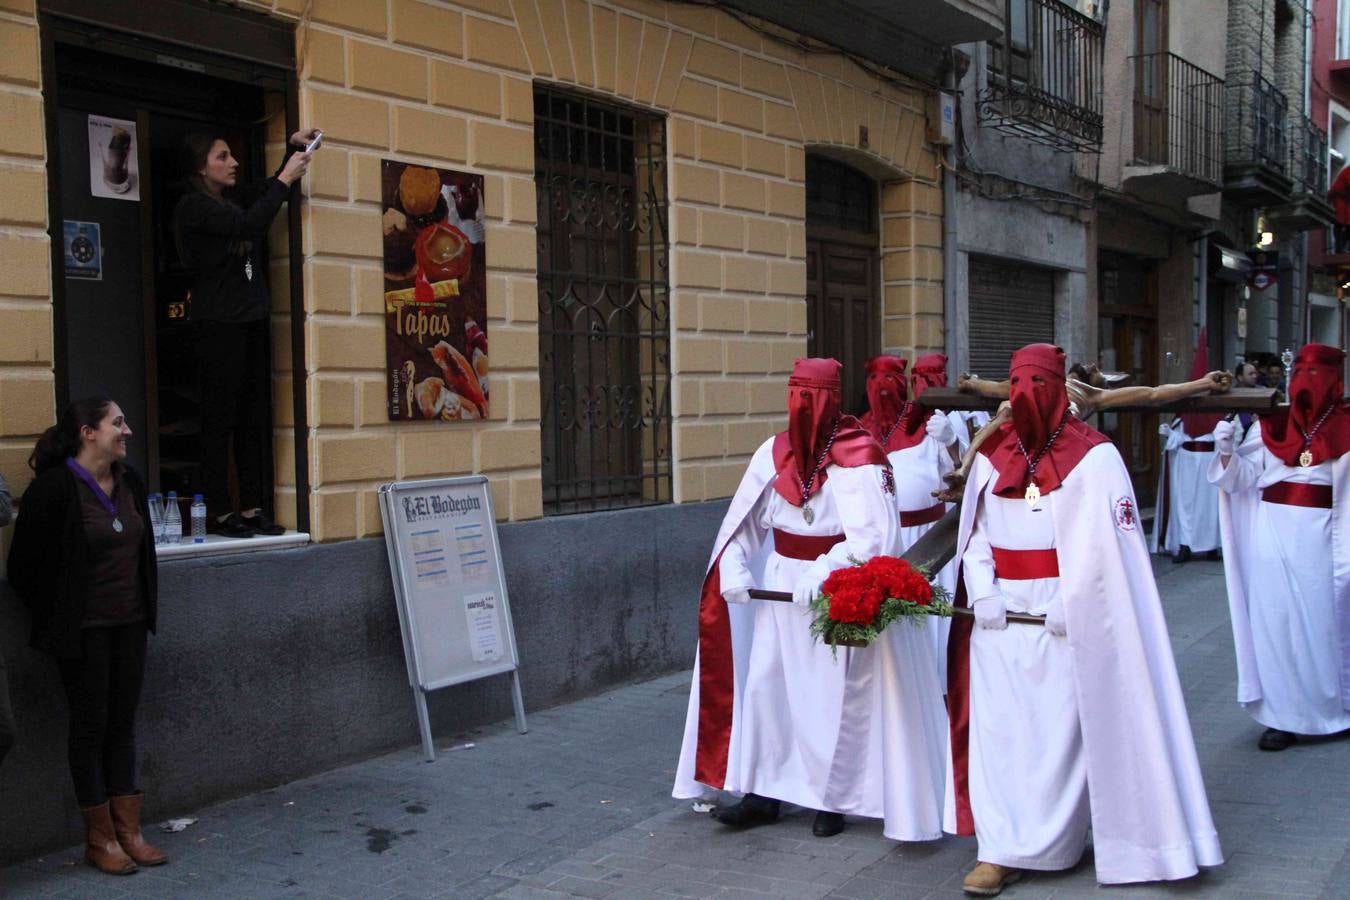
113	171
435	293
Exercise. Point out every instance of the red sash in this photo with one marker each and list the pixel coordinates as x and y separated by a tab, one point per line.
1198	446
1296	493
915	517
803	546
1025	565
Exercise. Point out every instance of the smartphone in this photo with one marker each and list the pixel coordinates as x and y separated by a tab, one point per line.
316	143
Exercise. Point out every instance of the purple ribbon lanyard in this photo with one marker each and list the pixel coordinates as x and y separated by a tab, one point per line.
83	474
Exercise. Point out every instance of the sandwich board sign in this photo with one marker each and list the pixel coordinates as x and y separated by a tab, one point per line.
449	587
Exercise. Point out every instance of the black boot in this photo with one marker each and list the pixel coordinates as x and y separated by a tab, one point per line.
751	811
827	824
1183	555
1275	739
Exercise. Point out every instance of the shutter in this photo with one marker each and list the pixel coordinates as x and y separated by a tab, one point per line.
1010	307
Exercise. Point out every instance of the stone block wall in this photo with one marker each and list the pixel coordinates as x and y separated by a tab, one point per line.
451	84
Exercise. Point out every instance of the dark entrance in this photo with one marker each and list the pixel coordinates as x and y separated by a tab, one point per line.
842	311
127	332
1127	341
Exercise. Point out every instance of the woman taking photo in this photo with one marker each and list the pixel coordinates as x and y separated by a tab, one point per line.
221	228
83	562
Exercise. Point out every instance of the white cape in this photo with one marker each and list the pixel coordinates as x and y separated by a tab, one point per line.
1247	532
1188	505
1150	814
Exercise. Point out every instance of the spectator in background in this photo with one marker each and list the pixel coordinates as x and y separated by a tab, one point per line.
221	228
83	562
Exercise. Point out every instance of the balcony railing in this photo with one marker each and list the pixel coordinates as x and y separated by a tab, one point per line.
1308	159
1045	75
1258	135
1178	116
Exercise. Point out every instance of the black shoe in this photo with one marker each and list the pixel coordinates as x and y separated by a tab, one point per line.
751	811
1213	556
261	524
1183	555
1274	739
233	526
827	824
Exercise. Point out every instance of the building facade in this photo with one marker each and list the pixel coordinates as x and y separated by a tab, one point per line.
678	201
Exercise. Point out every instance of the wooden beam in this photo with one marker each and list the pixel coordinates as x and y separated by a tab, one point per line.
1236	400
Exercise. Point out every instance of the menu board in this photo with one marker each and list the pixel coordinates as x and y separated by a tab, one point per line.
448	581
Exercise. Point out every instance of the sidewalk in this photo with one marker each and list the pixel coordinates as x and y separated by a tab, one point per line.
581	807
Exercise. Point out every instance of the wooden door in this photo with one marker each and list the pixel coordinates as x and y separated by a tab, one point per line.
841	311
1128	342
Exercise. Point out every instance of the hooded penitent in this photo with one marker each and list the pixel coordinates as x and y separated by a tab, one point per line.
1317	418
929	371
894	421
1040	407
818	434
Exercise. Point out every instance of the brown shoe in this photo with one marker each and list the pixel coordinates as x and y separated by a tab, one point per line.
988	879
101	849
126	817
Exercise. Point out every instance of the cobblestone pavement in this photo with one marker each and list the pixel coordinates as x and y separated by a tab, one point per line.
580	807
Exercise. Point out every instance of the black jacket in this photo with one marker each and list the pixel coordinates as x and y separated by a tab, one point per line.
49	559
212	236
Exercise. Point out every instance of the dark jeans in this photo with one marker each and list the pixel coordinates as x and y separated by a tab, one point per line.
233	371
6	713
102	689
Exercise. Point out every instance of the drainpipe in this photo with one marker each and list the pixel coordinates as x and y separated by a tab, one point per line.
956	359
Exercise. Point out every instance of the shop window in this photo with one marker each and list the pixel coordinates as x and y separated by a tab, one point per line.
604	303
124	324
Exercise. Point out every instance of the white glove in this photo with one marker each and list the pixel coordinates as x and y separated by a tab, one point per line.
991	612
805	590
1223	437
940	429
1054	618
1165	429
736	595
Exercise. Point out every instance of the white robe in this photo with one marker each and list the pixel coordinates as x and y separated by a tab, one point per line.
1104	700
1191	511
861	732
918	473
1288	571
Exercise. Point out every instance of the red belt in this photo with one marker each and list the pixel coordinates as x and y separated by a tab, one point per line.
1024	565
803	546
923	516
1297	493
1198	446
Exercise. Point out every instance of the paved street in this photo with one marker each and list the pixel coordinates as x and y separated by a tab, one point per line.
580	807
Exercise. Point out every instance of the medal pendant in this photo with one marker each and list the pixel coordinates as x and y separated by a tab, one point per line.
807	514
117	525
248	269
1033	494
1305	458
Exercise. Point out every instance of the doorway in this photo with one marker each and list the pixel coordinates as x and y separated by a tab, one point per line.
1127	341
842	270
123	325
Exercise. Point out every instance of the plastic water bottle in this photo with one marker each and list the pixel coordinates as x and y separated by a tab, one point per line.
173	520
198	513
155	502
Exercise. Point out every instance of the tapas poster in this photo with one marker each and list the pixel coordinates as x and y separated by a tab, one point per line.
435	293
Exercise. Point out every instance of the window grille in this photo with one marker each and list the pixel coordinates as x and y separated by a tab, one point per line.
604	303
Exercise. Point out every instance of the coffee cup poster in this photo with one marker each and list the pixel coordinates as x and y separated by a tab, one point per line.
435	293
113	170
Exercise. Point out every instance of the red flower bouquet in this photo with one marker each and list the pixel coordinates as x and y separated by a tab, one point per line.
857	603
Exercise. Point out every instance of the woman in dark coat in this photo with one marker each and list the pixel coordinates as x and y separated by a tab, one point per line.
83	562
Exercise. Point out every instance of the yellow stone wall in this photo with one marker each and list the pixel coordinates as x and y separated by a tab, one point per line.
451	84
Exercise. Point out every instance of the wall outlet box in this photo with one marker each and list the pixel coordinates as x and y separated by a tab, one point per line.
941	115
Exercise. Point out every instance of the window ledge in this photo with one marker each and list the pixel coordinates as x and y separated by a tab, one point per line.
215	545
